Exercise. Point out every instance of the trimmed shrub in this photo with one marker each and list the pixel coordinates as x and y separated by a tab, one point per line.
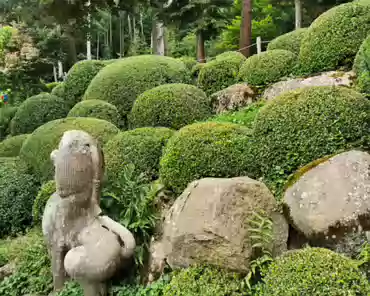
59	90
17	193
267	67
121	82
290	41
97	109
201	150
45	192
141	147
51	85
35	111
314	272
37	148
170	105
196	69
304	125
205	281
361	66
334	38
188	61
233	56
6	115
10	147
79	78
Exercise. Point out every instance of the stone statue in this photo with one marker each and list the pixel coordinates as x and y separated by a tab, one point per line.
83	244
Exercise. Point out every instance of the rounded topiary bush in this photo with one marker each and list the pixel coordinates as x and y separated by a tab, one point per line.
361	66
37	148
121	82
267	67
45	192
6	115
10	147
170	105
234	56
188	61
205	281
290	41
334	38
207	149
37	110
17	193
304	125
314	272
59	90
79	78
97	109
141	147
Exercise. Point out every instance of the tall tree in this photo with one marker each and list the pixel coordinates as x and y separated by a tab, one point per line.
298	13
246	28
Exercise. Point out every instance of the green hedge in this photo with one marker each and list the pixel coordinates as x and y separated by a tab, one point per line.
79	78
196	69
334	38
361	66
51	85
267	67
188	61
232	56
141	147
170	105
314	272
207	149
304	125
6	115
10	147
37	148
290	41
59	90
97	109
121	82
17	193
37	110
45	192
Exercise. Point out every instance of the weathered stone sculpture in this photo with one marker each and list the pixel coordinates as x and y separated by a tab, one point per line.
83	244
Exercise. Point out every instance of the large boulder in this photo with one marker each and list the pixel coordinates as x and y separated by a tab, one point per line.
208	224
332	78
332	198
232	98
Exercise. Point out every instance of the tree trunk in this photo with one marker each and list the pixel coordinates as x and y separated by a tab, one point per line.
111	33
88	35
142	26
72	52
154	44
201	52
97	46
246	28
298	13
129	27
161	39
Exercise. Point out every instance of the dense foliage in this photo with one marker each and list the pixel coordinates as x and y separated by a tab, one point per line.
79	78
97	109
334	37
59	90
37	110
121	82
314	272
6	115
290	41
10	147
170	105
267	67
18	191
304	125
141	147
37	148
200	150
361	66
188	61
220	72
45	192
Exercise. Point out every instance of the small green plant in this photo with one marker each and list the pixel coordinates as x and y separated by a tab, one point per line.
364	258
260	229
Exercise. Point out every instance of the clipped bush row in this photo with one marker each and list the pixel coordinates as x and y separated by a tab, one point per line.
290	41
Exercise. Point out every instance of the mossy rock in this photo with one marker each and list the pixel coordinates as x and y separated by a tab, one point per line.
37	148
307	124
96	109
314	272
207	149
290	41
121	82
10	147
334	38
268	67
361	67
37	110
141	147
170	105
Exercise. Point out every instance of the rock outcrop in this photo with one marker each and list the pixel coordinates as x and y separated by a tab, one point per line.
208	223
332	199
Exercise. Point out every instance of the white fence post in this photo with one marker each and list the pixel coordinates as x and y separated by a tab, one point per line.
259	45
